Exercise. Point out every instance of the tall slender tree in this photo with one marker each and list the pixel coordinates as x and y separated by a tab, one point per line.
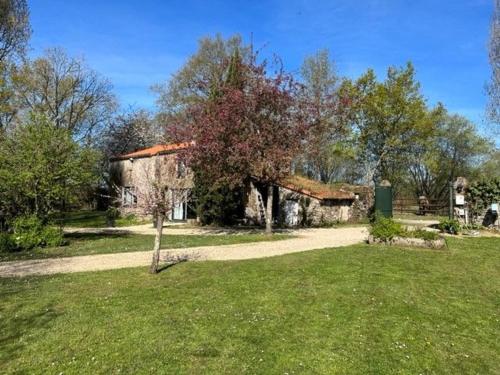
494	54
329	150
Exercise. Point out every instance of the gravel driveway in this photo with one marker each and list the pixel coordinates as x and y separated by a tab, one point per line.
307	239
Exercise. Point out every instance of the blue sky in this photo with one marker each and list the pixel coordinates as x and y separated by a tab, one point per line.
139	43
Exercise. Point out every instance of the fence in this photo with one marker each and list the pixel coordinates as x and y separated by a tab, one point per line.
437	207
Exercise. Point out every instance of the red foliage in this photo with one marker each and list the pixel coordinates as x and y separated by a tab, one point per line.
251	128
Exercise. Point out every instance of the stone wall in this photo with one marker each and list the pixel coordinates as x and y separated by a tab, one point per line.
312	211
252	209
139	172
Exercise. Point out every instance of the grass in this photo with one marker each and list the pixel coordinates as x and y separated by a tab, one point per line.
90	244
355	310
97	219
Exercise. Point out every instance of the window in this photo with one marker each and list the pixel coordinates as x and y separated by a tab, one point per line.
129	197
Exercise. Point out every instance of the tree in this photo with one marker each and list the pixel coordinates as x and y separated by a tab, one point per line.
391	118
494	54
330	144
250	127
220	205
7	107
199	80
454	149
14	34
14	28
160	187
491	165
130	131
204	72
70	94
42	168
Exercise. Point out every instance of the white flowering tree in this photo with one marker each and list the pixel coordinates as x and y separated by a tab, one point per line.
157	193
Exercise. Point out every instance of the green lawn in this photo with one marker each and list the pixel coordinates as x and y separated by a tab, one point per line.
88	244
354	310
96	219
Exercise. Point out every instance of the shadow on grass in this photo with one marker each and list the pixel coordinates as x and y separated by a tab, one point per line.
16	323
81	236
166	266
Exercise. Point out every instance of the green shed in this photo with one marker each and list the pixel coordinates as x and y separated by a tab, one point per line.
383	198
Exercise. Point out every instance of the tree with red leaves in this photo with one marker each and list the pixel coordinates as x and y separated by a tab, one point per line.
248	127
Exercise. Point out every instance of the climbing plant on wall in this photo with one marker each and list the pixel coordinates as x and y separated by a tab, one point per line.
483	193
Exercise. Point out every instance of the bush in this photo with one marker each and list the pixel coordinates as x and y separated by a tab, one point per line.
30	232
112	213
27	232
7	243
449	226
385	228
52	237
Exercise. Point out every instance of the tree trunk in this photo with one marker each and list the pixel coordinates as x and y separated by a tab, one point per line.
269	210
156	249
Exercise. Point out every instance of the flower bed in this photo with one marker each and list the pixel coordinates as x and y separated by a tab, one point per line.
439	243
386	231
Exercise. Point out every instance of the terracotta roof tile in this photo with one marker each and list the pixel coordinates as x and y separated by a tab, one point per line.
152	151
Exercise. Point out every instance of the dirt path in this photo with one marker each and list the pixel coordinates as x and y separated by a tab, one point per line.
308	239
172	229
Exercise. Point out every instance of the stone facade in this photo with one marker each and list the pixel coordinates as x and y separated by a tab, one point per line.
127	175
294	208
296	201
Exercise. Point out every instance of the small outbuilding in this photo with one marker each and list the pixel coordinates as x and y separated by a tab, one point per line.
302	201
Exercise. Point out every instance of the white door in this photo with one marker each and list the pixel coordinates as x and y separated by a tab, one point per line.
178	213
291	212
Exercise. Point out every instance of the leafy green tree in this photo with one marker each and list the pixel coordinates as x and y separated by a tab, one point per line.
391	118
454	149
329	154
42	169
7	108
491	165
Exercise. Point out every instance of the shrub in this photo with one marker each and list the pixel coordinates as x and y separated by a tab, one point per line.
52	237
27	232
112	213
449	226
7	243
385	228
30	232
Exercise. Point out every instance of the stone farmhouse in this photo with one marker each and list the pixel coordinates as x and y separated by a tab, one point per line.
297	200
